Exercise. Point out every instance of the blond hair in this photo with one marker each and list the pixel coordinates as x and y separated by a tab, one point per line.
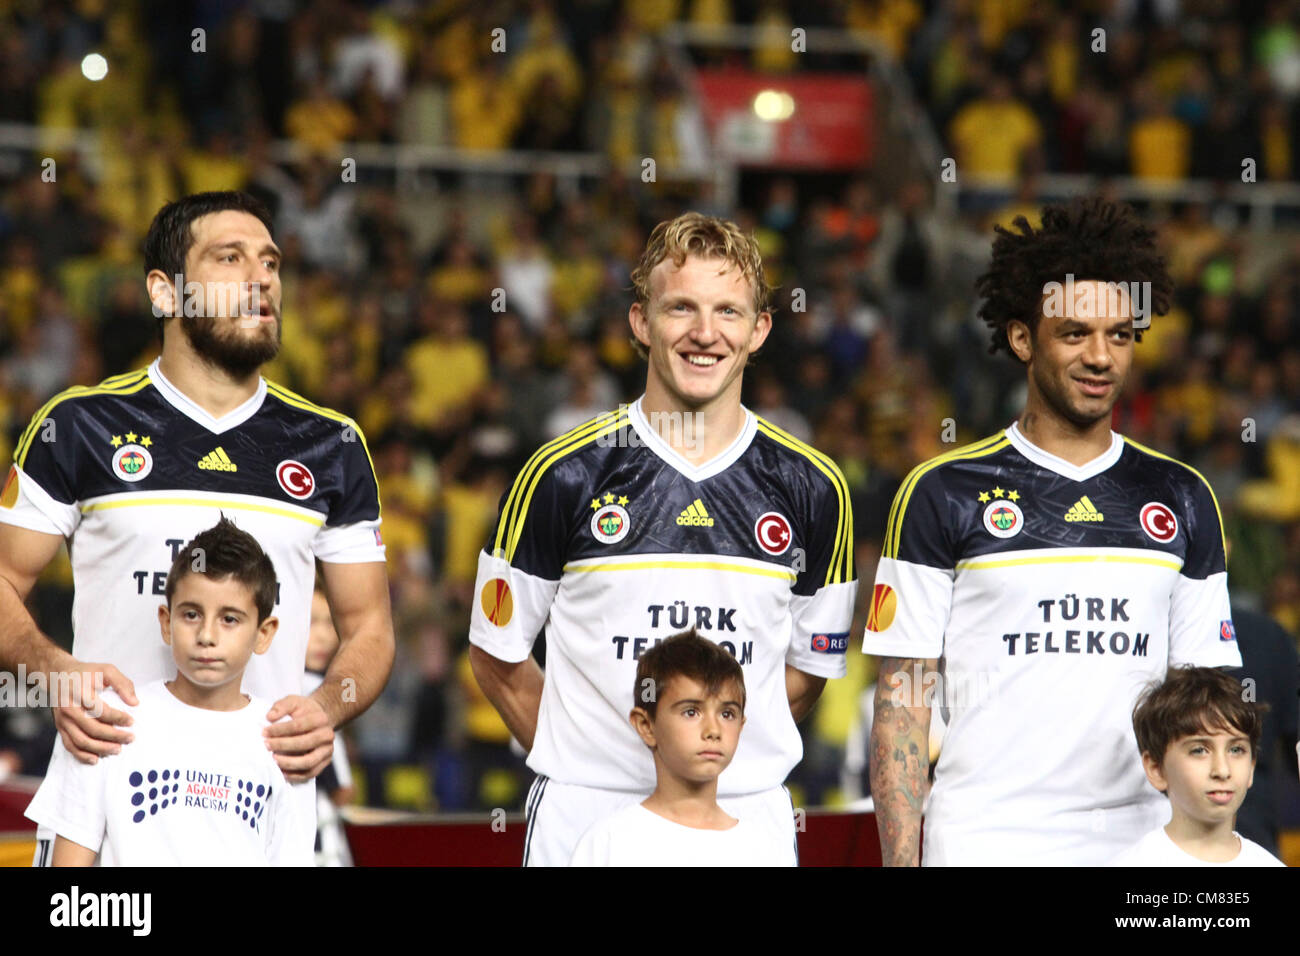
705	237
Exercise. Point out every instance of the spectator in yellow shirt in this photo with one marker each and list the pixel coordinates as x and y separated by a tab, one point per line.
1160	145
992	134
448	368
319	121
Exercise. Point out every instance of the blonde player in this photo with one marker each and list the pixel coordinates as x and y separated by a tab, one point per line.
681	510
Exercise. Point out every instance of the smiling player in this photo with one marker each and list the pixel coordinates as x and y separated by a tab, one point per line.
1055	568
682	510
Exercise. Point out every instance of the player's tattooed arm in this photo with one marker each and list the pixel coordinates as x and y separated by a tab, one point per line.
900	758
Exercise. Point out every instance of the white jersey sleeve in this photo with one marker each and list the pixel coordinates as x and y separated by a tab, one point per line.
351	532
520	569
912	598
1200	616
821	605
40	491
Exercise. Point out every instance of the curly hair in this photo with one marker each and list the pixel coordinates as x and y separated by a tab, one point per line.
1092	238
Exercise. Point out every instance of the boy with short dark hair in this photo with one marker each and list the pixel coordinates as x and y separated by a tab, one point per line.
1198	738
198	785
690	707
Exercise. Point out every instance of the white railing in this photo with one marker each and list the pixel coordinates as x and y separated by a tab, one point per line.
405	160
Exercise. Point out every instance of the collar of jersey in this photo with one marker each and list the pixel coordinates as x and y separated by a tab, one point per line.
183	404
694	472
1060	465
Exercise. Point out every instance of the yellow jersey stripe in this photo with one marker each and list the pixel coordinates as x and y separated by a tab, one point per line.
515	498
516	490
121	378
122	385
840	568
914	475
297	401
781	573
844	526
848	558
145	501
611	424
894	529
980	564
1223	535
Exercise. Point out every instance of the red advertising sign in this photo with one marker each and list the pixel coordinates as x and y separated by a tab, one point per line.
810	121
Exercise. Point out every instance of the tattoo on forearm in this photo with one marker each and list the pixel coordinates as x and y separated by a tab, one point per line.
899	768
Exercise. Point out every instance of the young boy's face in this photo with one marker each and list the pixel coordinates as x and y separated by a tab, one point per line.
322	639
212	629
694	734
1206	775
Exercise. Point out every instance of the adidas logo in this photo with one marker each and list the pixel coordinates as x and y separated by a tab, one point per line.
1084	510
696	514
217	460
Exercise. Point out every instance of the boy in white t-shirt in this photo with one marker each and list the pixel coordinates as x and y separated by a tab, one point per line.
690	696
1198	739
197	786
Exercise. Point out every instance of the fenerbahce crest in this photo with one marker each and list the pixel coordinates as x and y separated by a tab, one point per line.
132	461
609	522
1002	516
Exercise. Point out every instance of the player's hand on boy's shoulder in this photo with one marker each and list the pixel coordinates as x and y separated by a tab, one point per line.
88	727
303	745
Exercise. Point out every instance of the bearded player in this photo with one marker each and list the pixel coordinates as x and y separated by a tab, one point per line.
681	510
1051	571
129	470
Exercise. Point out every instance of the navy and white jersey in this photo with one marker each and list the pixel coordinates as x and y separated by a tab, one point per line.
612	541
1052	594
130	470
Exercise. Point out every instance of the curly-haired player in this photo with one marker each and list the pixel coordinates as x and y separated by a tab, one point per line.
1055	568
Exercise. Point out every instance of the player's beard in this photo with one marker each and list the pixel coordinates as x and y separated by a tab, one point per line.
237	356
1057	395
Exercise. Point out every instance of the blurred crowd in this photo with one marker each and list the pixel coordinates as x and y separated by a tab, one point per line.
464	322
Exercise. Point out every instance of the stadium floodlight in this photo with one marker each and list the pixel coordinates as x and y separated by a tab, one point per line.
94	67
773	106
